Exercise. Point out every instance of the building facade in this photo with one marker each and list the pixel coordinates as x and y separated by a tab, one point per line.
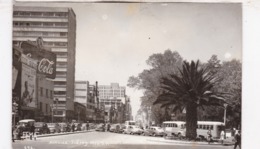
57	27
113	98
45	99
85	94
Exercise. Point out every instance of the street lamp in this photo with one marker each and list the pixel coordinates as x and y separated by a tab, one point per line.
225	113
52	108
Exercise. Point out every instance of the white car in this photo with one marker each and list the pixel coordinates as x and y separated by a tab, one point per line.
133	130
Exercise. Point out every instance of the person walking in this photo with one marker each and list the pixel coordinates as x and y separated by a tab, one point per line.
222	136
87	125
238	140
73	127
32	131
209	135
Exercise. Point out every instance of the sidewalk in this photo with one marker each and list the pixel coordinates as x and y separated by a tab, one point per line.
63	133
163	140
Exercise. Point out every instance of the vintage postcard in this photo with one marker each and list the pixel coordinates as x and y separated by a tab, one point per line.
126	74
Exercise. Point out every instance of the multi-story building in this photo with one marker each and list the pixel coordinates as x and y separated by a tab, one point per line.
113	98
45	99
57	27
85	94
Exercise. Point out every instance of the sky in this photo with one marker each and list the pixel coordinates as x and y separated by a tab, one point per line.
115	39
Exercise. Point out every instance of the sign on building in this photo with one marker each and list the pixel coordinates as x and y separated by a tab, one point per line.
28	82
46	59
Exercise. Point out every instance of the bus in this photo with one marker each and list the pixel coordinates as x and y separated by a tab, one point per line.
204	126
130	123
178	128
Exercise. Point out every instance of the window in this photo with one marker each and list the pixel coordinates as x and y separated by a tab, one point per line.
40	106
46	106
47	95
48	14
51	94
41	91
62	34
36	13
59	112
60	92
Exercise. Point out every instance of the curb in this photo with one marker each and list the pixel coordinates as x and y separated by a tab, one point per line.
66	133
185	142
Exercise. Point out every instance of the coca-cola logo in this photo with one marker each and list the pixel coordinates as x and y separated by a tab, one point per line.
46	66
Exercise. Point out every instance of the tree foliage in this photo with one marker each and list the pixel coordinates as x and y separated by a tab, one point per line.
161	65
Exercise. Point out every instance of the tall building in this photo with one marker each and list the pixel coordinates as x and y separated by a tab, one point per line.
113	98
57	27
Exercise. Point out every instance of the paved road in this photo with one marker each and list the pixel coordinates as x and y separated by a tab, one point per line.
107	140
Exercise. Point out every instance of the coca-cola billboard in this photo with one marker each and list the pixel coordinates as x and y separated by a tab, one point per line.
46	59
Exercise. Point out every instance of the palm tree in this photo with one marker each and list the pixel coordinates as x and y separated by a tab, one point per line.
190	89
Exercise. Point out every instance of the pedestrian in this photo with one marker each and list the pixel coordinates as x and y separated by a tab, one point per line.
209	135
73	127
87	125
13	133
32	131
108	127
222	136
237	140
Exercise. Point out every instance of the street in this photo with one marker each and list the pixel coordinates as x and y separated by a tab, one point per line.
107	140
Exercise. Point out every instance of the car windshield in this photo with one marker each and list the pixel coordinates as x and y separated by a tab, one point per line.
51	125
38	124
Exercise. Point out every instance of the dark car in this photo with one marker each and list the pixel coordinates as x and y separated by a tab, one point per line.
41	128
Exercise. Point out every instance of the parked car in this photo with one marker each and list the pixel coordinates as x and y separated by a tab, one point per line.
92	126
78	126
84	126
100	127
41	128
54	127
113	128
121	129
25	124
64	127
133	130
156	131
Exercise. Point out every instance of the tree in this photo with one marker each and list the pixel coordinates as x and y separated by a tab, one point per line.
231	71
161	65
190	90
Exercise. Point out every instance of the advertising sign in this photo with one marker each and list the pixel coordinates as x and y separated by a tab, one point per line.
46	59
28	82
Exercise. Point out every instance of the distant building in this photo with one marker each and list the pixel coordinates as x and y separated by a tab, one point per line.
115	102
57	27
80	112
85	94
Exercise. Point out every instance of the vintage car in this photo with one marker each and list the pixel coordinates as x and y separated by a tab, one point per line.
154	131
54	127
41	128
